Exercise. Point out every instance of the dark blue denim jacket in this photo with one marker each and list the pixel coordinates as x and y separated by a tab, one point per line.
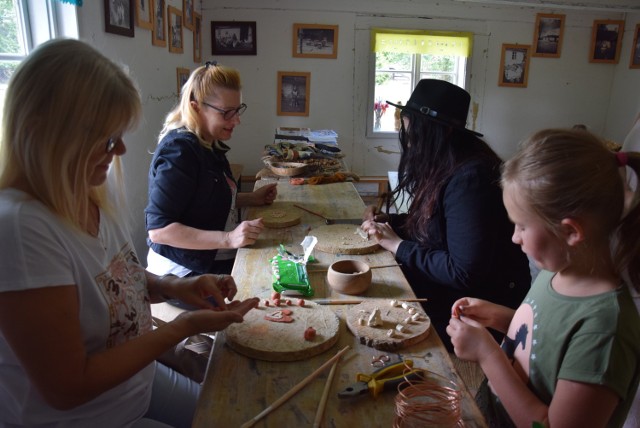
187	185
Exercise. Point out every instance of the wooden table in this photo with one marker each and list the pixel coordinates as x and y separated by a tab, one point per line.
237	388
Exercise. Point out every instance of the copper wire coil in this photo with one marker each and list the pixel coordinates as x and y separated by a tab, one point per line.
431	400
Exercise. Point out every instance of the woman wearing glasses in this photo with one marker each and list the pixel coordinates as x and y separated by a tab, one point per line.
77	347
191	216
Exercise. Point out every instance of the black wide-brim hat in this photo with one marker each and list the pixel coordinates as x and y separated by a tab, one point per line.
441	102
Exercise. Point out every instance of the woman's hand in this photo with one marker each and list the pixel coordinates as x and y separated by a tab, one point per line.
266	194
486	313
371	214
470	340
245	234
203	321
196	290
383	233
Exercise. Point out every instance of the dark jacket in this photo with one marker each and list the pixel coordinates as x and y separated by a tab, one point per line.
470	252
187	185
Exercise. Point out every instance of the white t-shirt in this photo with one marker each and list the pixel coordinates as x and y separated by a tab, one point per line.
39	250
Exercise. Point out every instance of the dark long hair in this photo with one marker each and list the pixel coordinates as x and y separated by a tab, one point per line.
431	154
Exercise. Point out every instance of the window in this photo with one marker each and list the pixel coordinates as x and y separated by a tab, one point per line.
402	58
24	24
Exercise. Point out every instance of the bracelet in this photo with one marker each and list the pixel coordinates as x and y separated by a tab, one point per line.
164	296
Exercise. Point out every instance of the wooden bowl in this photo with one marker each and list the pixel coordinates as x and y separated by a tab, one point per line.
349	276
288	169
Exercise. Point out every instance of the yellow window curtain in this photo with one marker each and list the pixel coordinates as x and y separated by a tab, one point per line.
422	42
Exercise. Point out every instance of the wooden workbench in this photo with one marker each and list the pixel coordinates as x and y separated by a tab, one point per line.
237	388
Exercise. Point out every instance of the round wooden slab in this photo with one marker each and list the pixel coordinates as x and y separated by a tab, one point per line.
266	340
376	337
342	239
279	216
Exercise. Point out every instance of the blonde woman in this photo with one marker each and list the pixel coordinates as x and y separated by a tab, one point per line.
77	347
191	216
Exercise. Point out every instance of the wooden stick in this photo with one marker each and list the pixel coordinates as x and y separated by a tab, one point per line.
295	389
370	267
385	266
381	199
325	395
309	211
355	302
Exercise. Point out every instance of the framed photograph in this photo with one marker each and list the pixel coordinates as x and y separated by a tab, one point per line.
197	37
182	75
174	28
118	17
635	49
293	93
158	33
188	10
233	38
606	39
547	40
514	65
315	41
144	14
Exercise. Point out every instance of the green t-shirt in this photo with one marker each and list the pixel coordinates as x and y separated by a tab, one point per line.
594	339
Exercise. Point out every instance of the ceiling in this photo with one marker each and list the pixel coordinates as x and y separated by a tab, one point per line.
605	5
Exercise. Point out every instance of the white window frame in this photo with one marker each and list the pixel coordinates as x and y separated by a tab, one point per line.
462	79
42	20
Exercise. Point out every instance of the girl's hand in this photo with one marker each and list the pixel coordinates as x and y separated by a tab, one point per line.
266	194
470	340
486	313
383	233
204	321
196	290
246	233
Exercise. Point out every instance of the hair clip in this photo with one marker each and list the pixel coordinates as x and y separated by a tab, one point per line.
210	64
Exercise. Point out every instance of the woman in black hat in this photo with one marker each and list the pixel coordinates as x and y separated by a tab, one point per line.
455	240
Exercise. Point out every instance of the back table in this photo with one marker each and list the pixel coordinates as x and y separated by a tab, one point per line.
237	388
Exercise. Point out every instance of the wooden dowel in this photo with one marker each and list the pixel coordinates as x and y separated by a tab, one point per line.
381	199
295	389
355	302
370	267
309	211
385	266
325	395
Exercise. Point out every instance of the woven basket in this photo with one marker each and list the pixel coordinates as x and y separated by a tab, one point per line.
288	169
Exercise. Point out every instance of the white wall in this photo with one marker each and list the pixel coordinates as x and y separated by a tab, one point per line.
561	91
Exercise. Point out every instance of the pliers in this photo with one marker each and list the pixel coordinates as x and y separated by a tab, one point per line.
383	379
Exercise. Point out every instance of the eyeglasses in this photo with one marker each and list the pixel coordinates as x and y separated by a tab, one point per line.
111	144
228	114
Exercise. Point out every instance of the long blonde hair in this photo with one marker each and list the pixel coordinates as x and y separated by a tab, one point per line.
203	83
63	100
571	174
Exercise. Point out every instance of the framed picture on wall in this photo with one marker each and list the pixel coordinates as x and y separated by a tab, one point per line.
514	65
315	41
197	37
547	39
182	75
233	38
635	49
174	28
144	14
158	34
606	39
118	17
293	93
188	10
